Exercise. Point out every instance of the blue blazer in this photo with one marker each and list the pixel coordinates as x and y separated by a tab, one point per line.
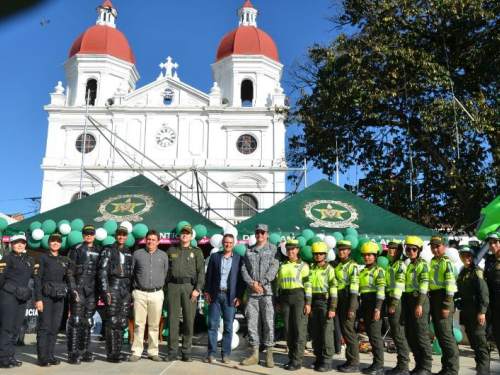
235	284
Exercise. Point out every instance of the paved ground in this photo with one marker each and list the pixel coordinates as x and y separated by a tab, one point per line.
27	354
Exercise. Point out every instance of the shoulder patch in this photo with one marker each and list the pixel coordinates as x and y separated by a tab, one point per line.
479	273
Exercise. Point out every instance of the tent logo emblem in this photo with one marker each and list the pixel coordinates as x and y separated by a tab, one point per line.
331	214
125	207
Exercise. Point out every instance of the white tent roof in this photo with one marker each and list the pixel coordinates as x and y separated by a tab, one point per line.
8	218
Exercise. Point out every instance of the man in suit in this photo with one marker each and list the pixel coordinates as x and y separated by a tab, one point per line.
224	290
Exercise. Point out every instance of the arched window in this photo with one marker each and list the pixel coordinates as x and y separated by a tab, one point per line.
85	143
91	91
76	196
245	210
246	144
247	93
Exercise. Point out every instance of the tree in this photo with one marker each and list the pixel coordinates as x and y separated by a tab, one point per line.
411	96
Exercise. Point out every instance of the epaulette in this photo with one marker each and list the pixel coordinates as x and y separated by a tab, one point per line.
480	273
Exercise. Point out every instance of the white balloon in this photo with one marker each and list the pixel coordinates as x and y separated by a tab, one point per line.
236	326
426	254
330	241
321	235
37	234
128	225
216	240
194	234
214	250
452	253
100	234
207	260
283	248
235	341
330	256
231	230
252	240
65	229
219	336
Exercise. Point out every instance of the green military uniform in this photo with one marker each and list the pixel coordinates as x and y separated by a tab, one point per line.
492	277
347	274
396	279
417	330
186	272
473	299
294	292
324	299
442	286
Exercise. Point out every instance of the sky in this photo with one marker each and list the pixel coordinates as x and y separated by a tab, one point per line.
189	31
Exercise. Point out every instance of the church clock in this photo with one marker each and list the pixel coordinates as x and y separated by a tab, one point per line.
166	137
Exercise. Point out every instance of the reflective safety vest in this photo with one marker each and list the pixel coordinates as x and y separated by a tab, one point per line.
395	278
372	280
417	277
323	280
294	275
441	275
348	275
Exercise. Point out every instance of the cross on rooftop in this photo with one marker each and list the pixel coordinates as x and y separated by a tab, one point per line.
168	66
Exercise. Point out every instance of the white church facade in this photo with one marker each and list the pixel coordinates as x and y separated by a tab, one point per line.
222	153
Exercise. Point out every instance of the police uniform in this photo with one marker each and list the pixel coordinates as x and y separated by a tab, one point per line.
347	274
324	299
293	294
417	330
50	288
396	279
186	272
442	286
492	277
472	299
372	288
114	274
15	273
82	268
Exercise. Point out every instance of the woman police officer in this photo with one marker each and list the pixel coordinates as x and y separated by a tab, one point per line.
50	289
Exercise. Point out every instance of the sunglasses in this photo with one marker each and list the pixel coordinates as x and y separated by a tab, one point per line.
411	249
261	232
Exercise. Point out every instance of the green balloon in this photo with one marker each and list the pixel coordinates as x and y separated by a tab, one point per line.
380	247
313	239
181	224
77	224
35	225
353	239
432	327
436	347
49	226
383	262
302	241
33	244
240	249
110	227
74	237
140	230
305	253
201	231
356	256
351	231
362	241
45	242
275	239
458	335
108	241
307	234
194	243
338	236
3	223
61	222
130	240
64	244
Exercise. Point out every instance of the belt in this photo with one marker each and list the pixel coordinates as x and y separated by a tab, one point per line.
223	291
286	292
181	280
320	296
149	290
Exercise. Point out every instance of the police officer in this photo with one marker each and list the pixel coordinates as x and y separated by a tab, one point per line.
83	259
323	306
472	299
51	277
114	274
347	273
442	285
186	280
16	270
372	289
294	302
492	276
395	276
417	302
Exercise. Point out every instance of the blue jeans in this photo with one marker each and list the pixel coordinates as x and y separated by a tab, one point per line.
221	305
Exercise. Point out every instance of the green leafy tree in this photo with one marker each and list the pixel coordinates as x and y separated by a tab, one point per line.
391	93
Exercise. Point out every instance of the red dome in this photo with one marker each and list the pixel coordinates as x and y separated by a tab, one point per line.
247	40
105	40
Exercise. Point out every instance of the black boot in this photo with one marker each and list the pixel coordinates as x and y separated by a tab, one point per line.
72	338
85	337
119	343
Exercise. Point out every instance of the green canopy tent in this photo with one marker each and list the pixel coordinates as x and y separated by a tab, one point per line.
326	208
138	200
